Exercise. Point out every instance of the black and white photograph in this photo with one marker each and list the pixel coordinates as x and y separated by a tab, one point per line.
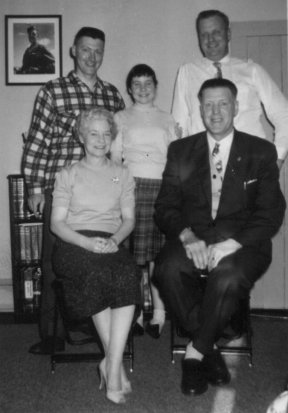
33	49
144	206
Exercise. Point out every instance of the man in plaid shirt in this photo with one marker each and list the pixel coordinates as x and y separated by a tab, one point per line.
52	143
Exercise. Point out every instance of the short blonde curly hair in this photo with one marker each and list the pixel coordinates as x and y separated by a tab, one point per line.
95	113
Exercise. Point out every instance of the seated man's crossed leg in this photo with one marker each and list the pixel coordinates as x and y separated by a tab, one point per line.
204	313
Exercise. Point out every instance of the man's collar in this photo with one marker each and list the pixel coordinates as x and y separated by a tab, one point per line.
225	142
209	62
75	78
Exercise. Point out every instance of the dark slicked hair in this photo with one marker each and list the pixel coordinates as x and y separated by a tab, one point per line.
205	14
215	82
89	32
31	28
137	71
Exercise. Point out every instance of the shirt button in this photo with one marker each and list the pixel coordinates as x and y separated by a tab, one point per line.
214	176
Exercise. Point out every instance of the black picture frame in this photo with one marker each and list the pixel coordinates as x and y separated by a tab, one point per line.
33	56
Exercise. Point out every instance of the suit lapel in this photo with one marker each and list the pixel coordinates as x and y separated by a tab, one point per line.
203	166
232	189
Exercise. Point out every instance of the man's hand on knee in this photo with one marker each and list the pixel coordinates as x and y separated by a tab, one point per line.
195	248
220	250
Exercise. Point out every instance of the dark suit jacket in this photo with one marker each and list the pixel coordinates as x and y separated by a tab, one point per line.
251	207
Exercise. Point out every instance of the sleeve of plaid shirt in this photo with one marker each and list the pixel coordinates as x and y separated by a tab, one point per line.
36	147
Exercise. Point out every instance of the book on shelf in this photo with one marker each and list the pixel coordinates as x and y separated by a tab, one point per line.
18	198
40	239
22	250
27	289
27	242
37	280
30	241
17	192
31	278
34	242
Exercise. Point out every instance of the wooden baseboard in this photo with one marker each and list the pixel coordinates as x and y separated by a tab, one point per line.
7	318
272	312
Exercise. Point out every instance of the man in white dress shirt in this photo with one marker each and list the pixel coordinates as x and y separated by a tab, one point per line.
255	86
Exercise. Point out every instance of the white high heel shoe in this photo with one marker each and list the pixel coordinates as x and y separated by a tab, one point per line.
115	396
125	383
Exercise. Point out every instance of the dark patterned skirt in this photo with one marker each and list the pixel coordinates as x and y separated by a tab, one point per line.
147	238
93	282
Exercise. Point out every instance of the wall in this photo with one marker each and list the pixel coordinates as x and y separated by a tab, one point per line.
158	32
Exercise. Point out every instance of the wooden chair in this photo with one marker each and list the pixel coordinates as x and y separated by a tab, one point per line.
71	325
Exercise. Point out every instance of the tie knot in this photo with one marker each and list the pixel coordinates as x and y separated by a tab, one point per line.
218	67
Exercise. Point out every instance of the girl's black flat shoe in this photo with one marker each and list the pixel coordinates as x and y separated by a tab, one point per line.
153	330
137	330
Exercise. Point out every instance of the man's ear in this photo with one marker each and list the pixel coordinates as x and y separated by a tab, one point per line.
229	34
236	108
201	111
73	51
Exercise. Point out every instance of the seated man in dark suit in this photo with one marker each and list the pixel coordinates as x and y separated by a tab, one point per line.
219	205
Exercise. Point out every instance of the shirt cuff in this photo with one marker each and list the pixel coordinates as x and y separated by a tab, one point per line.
281	152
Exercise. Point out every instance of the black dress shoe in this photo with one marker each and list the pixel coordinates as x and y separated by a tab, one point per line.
194	381
215	369
45	347
153	330
137	330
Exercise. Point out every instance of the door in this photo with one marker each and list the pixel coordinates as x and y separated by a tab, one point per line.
266	44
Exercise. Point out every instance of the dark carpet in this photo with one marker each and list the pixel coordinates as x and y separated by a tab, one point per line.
27	385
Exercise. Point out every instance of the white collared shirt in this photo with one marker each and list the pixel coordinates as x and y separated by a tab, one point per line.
254	86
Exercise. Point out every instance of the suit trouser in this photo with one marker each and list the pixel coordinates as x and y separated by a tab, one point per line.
47	308
205	314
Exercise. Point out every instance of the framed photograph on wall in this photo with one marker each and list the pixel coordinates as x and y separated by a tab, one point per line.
33	49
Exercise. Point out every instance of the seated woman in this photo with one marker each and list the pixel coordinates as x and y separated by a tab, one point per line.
92	213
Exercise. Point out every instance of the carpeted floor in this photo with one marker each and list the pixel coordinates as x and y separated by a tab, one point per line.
27	385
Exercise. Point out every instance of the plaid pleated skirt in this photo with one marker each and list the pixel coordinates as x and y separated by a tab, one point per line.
147	238
93	282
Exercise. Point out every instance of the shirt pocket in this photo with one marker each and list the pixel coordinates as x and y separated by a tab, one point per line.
66	124
65	140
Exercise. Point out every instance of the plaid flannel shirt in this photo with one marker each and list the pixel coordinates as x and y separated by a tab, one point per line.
52	141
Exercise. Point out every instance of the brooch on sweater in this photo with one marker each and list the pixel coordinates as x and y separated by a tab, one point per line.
115	179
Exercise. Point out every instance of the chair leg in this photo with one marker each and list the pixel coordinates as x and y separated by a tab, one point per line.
85	356
55	328
172	340
245	350
60	311
129	354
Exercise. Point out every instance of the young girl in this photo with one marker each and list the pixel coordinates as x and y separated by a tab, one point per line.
144	133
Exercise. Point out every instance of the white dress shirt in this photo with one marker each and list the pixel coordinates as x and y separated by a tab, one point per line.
254	86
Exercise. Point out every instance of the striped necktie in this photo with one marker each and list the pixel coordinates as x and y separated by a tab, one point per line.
219	71
217	159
